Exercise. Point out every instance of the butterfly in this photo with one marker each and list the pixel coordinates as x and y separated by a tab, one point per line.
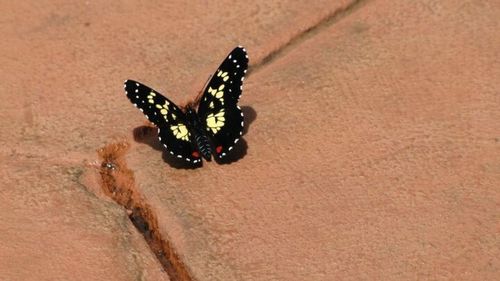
217	124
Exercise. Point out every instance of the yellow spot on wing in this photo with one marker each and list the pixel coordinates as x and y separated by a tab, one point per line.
216	121
218	94
163	108
150	98
180	131
224	75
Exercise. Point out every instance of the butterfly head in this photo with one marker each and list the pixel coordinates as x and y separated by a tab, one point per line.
190	113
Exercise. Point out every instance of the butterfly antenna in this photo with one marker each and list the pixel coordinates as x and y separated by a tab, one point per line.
200	93
193	103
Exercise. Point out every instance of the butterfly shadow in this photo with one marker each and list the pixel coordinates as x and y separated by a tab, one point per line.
148	134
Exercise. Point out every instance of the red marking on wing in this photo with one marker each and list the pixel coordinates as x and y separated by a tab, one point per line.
218	149
195	154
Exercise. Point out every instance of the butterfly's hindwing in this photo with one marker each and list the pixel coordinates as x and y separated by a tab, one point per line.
172	125
218	109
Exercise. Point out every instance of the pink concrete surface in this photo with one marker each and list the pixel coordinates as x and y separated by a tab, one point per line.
53	228
62	68
372	151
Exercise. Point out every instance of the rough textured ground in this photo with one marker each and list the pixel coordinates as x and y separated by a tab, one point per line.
372	150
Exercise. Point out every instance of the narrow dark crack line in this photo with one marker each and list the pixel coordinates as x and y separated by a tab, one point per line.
308	33
117	182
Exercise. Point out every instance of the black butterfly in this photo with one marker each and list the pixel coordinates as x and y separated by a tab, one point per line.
214	128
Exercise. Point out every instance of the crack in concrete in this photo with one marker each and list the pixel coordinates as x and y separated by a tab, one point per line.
117	182
307	33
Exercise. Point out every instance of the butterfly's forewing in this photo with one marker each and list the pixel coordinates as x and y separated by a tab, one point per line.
170	120
218	110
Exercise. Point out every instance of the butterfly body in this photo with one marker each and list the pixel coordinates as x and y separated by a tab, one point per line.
199	135
217	124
